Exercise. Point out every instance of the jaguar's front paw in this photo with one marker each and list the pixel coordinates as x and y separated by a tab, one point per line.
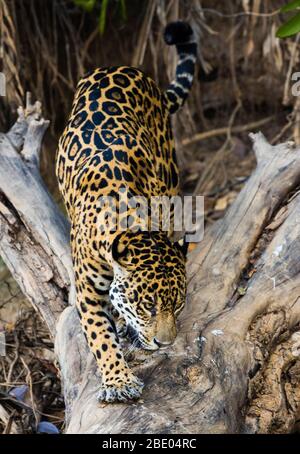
122	391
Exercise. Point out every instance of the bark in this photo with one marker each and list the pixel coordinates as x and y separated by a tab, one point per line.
33	232
234	366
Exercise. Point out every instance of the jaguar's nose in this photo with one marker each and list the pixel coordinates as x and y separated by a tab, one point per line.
166	331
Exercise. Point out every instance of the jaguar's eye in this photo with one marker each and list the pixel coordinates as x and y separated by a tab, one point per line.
150	308
153	311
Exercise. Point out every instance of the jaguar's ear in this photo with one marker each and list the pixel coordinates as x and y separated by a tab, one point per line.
121	254
182	245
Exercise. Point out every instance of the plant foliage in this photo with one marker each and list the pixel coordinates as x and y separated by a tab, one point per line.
292	26
102	7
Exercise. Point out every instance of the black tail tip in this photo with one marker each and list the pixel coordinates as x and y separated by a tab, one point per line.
178	33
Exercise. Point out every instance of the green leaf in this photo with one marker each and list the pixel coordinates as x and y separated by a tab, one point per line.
290	6
102	17
289	28
88	5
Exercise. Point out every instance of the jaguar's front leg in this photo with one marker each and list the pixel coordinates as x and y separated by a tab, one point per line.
118	381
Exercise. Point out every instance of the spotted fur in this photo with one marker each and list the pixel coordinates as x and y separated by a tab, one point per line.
119	137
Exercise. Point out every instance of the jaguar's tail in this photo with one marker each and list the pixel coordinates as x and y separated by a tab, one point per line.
181	34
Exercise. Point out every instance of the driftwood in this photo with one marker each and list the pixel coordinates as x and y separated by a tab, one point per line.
234	366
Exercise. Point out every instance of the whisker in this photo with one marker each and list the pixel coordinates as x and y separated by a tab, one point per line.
132	347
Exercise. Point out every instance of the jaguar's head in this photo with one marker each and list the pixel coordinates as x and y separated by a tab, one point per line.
149	286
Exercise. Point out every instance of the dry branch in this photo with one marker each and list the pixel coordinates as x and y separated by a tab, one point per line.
33	233
223	131
234	366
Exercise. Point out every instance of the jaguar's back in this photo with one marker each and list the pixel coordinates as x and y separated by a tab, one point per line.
111	104
118	138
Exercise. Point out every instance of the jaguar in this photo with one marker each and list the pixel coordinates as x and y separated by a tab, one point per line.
118	138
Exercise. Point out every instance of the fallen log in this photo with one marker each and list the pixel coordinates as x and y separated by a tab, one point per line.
234	366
